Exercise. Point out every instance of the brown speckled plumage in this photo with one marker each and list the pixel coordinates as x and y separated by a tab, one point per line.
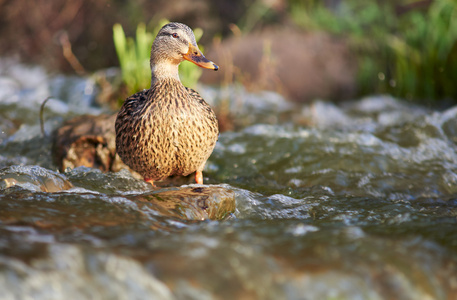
168	129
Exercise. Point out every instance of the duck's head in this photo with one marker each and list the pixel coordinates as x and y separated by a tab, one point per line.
174	43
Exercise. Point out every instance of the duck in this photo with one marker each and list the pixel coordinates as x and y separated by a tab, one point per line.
168	129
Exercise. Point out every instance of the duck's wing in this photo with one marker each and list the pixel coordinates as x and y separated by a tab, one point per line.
209	112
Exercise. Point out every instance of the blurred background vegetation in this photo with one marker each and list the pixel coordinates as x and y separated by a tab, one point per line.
410	46
407	48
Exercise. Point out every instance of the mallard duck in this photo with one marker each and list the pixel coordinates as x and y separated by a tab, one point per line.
168	129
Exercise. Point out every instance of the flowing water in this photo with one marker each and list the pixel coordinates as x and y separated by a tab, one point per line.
356	201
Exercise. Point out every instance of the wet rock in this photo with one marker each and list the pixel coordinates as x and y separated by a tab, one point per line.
317	66
33	178
98	216
112	199
192	202
88	141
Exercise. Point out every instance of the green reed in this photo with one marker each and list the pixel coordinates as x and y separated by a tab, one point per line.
134	54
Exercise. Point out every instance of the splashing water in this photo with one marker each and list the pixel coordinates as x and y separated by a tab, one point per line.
361	205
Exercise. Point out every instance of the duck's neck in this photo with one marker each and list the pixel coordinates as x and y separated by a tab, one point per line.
163	71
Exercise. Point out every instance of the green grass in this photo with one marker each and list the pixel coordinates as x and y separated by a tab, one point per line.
134	54
411	55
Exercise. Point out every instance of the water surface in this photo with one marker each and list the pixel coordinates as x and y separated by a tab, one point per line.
356	201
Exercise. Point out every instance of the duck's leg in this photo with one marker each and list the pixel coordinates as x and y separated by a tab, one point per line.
150	181
199	177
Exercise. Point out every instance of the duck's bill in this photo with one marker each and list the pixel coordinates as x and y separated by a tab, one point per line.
196	56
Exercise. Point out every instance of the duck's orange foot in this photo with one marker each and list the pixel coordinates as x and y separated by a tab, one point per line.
150	181
199	177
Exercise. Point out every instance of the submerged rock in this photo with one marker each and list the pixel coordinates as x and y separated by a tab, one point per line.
192	202
33	178
91	207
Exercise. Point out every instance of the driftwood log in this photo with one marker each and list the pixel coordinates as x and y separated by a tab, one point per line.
88	141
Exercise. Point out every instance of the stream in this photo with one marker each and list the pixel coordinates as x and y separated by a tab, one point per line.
349	201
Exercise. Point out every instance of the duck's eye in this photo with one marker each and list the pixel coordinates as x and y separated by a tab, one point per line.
175	35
